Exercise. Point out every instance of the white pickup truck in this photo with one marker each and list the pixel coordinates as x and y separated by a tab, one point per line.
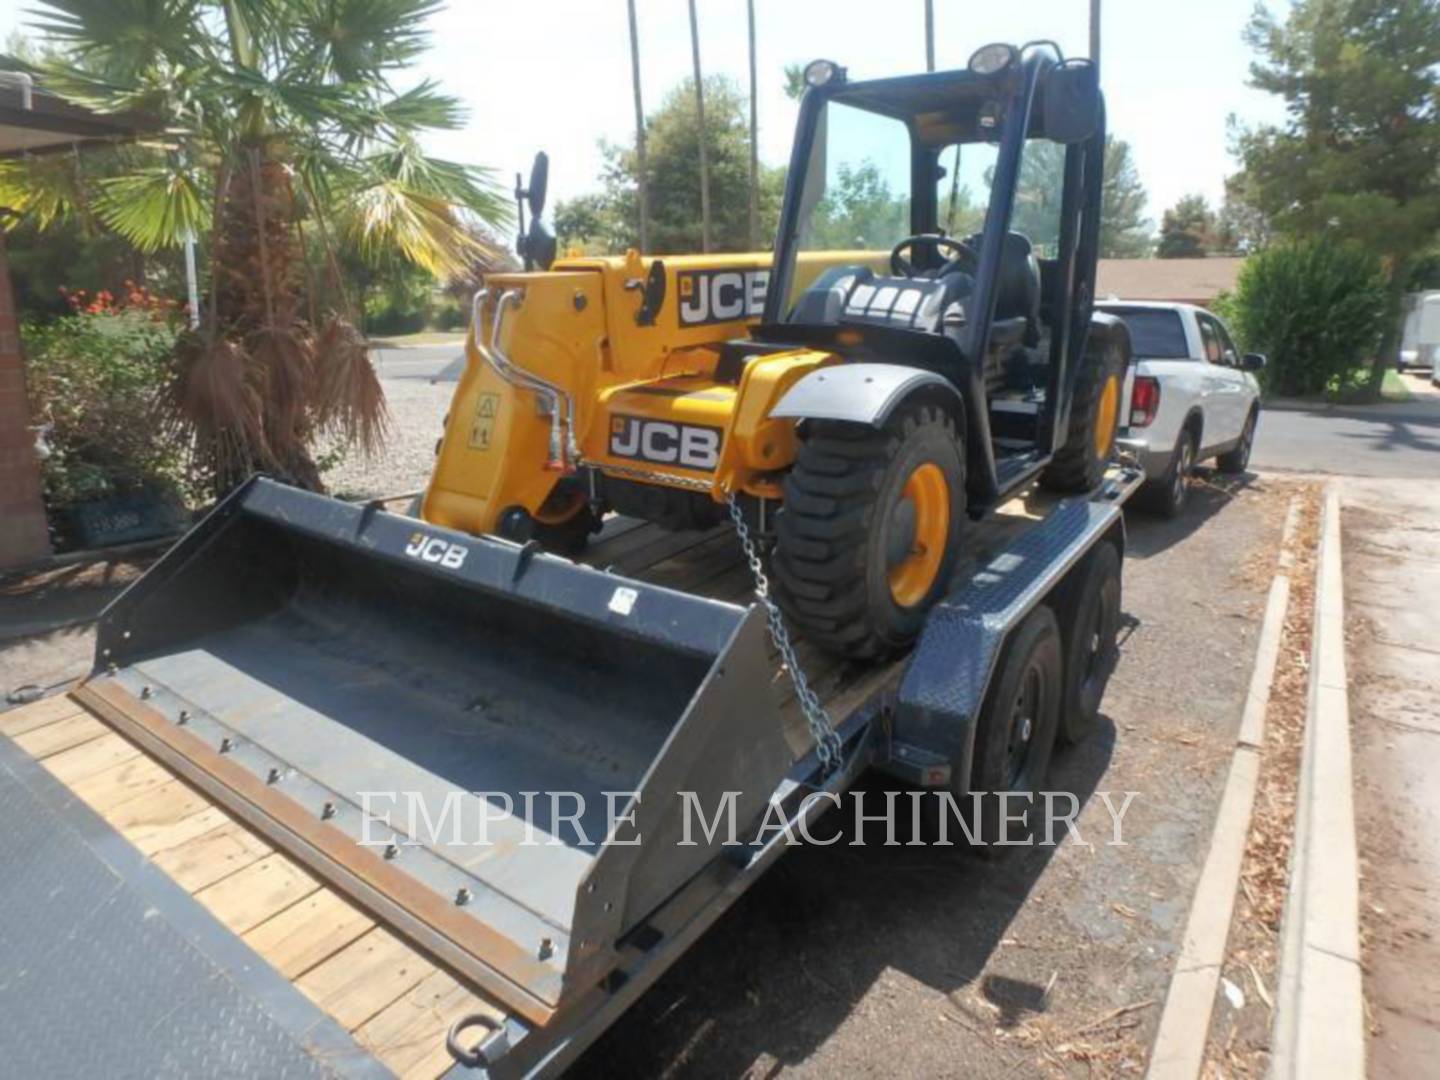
1190	395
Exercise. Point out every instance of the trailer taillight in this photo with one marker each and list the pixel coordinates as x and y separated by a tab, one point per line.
1144	400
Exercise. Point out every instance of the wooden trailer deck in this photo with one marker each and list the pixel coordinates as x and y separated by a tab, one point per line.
396	1001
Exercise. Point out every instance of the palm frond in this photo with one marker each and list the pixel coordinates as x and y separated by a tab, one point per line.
154	207
348	400
43	190
122	37
360	40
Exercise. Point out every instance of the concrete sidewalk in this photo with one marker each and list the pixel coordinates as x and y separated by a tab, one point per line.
1392	581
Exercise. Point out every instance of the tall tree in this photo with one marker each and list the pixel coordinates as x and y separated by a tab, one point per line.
1124	228
699	85
605	221
1240	226
640	170
754	135
1187	229
280	121
1358	156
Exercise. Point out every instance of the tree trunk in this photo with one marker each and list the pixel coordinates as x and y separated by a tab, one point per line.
929	35
754	137
1386	353
641	182
703	134
1095	33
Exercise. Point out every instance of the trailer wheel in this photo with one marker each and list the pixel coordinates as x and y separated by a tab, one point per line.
1015	733
1090	648
1079	465
867	535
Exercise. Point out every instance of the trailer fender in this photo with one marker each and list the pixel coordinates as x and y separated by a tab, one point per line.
943	690
861	393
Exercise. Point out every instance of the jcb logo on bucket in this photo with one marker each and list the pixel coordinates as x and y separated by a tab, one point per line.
432	549
664	443
718	296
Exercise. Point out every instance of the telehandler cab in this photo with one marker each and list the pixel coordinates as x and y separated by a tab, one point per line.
901	376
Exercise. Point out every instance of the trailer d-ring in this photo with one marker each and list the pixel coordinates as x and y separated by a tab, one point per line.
475	1057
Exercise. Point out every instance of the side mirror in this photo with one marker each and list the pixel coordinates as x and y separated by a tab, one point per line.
539	181
1072	101
1253	361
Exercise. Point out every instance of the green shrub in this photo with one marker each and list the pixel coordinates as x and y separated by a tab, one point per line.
449	315
1316	309
96	381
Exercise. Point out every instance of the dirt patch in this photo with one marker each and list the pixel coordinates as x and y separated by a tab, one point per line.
1241	1024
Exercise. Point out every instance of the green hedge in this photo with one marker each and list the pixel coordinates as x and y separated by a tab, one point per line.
1316	309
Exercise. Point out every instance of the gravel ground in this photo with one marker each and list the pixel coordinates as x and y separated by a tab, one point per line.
417	410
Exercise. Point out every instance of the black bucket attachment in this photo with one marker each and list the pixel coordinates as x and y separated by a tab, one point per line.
320	667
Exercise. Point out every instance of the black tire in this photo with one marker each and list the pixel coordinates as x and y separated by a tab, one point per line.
842	529
1016	733
1079	465
1168	496
1237	459
1090	649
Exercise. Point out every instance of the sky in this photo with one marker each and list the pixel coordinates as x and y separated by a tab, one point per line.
554	75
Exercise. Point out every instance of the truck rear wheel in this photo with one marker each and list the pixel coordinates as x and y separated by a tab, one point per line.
1079	465
869	530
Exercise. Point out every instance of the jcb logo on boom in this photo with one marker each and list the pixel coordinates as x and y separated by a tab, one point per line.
665	443
718	296
432	549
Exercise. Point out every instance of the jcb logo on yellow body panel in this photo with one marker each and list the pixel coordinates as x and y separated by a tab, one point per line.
719	296
662	442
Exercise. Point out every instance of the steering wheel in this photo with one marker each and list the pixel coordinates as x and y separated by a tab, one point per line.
903	267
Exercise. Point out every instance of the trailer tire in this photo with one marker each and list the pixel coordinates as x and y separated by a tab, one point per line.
1027	690
1028	684
1079	465
853	569
1090	647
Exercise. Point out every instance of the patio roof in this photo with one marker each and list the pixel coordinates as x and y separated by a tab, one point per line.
35	121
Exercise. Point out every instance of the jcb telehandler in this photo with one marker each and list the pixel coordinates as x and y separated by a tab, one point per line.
891	388
316	667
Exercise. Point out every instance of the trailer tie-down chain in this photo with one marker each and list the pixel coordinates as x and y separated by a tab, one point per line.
827	743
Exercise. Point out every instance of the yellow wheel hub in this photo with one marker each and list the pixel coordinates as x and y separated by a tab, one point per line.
1105	414
928	492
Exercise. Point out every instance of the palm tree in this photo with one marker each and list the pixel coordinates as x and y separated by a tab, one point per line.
754	137
640	170
282	134
700	119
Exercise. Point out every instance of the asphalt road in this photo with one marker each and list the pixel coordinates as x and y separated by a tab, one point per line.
1394	440
420	362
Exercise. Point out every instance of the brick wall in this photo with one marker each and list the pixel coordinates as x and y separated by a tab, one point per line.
23	534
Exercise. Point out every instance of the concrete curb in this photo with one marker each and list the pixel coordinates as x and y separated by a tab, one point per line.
1179	1048
1320	1011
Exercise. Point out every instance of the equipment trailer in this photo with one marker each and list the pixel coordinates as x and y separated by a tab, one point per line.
285	746
350	696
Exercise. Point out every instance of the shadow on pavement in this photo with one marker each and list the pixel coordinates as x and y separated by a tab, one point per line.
785	968
1211	492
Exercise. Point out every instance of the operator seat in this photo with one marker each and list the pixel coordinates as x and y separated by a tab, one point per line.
857	296
1017	294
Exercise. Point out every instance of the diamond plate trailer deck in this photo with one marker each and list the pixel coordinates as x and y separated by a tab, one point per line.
911	719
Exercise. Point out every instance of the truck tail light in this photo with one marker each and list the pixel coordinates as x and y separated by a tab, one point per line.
1144	400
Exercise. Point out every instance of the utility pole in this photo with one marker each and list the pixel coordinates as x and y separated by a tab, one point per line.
930	34
700	117
754	138
1095	33
640	169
